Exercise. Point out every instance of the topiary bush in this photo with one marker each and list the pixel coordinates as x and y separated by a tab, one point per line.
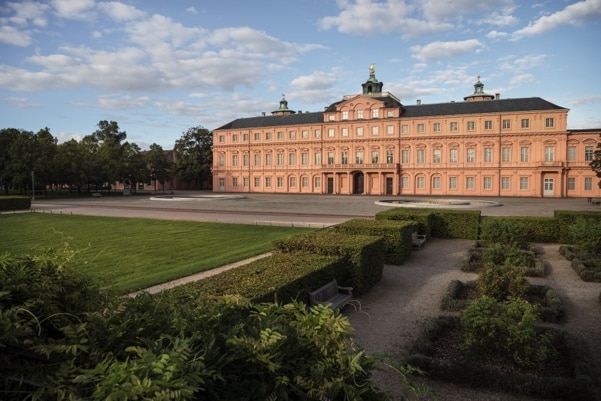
502	283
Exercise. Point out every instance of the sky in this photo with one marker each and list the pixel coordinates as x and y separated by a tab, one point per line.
158	67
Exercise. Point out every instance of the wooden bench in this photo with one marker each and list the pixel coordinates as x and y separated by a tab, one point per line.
332	295
417	240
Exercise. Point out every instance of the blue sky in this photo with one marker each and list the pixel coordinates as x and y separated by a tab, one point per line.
160	67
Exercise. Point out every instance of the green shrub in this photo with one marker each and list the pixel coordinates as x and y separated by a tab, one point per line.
567	218
491	328
586	234
502	283
509	230
15	203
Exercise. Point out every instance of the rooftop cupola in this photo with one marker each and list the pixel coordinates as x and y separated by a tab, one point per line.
372	87
283	110
479	93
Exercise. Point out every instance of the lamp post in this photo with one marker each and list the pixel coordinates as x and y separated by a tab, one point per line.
32	187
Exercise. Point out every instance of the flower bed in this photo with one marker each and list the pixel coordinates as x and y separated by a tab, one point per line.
479	255
587	265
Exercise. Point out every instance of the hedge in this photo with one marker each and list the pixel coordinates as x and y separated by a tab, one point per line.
279	277
567	218
15	203
519	229
422	217
396	235
442	223
363	255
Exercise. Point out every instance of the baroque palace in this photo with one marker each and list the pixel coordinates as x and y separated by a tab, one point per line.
373	144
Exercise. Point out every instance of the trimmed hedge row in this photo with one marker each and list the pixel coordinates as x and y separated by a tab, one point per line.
15	203
396	236
363	255
422	217
581	267
567	218
279	277
520	229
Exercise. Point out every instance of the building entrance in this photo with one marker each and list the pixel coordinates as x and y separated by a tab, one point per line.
358	184
548	187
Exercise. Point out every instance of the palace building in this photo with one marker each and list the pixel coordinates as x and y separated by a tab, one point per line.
371	143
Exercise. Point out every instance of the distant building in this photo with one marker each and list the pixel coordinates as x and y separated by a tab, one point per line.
373	144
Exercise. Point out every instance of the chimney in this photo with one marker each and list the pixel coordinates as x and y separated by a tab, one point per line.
497	96
419	102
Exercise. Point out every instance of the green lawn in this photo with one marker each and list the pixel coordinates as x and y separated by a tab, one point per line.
131	254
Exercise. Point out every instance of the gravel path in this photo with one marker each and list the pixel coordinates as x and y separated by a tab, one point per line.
390	317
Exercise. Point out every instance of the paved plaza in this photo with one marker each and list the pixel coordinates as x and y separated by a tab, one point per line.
284	209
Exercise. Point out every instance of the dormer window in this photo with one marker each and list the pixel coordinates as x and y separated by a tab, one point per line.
359	114
345	115
375	113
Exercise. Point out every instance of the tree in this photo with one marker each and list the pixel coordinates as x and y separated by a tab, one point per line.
133	165
596	163
7	137
71	159
44	148
158	165
109	152
194	156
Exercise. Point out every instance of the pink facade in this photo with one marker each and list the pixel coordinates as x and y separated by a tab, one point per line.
372	144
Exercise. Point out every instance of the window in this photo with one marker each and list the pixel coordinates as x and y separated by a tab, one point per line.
331	132
317	182
234	182
317	133
469	182
305	134
524	154
257	159
344	132
280	159
221	160
331	117
280	135
405	156
330	157
292	135
525	123
588	184
435	182
549	122
345	115
280	182
571	153
268	182
375	113
268	159
453	155
234	160
405	182
304	159
505	183
549	153
390	113
588	153
245	137
245	160
390	129
436	127
421	155
344	157
375	130
488	125
305	182
404	129
359	131
506	124
257	136
453	126
420	128
359	157
268	136
452	182
524	183
246	182
436	153
257	182
374	157
471	155
221	138
487	155
487	183
471	126
389	156
420	183
235	138
292	182
359	114
506	155
317	158
571	183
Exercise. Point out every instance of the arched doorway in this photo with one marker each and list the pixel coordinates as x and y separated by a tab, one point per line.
358	183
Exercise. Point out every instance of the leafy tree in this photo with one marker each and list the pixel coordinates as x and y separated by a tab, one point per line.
7	137
133	165
596	162
194	156
158	165
70	161
110	152
44	148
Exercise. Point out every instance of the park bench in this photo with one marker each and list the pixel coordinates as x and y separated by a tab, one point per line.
96	194
417	240
331	294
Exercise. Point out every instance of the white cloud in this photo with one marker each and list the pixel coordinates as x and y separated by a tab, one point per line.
120	12
13	36
592	99
125	102
24	12
512	63
496	35
436	50
572	14
521	79
439	10
20	103
74	9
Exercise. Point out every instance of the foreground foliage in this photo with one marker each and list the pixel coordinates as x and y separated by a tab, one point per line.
62	338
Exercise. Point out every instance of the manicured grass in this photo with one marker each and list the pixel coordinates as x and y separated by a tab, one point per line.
132	254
